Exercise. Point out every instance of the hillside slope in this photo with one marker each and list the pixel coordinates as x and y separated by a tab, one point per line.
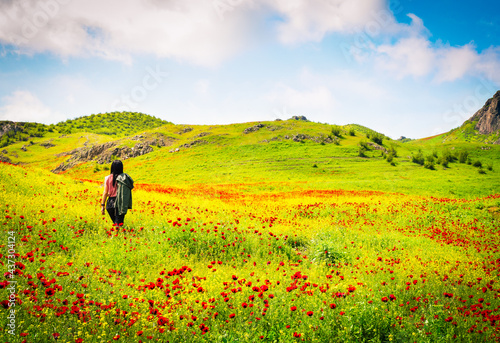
482	127
264	156
117	124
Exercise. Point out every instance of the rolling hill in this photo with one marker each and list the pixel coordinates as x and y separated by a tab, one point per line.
301	153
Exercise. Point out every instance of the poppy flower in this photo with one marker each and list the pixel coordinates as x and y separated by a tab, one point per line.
293	308
310	313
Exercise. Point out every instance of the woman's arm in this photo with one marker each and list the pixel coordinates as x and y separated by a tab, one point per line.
104	197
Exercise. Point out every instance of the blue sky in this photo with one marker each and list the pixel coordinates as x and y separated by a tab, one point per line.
410	67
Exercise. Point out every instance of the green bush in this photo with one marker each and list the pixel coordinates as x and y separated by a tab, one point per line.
362	150
463	156
429	165
447	157
337	131
418	158
377	138
477	164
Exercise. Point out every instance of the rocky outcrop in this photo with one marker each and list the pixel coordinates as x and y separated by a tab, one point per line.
253	128
102	154
377	147
47	145
302	118
8	126
185	130
194	143
488	117
202	134
5	159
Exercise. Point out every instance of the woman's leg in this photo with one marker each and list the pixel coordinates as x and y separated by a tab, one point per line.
110	208
120	218
111	212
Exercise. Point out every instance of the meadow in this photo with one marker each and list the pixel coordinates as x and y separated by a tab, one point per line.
220	264
280	241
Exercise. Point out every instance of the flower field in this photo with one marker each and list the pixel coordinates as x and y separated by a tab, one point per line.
226	263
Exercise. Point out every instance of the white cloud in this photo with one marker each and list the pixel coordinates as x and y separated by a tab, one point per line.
199	31
410	56
311	20
488	65
117	30
413	54
23	106
453	63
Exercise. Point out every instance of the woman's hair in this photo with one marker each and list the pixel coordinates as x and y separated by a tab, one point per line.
116	169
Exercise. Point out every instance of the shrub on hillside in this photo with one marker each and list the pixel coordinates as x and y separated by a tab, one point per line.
352	132
376	138
392	151
477	164
429	165
463	155
418	158
363	148
337	131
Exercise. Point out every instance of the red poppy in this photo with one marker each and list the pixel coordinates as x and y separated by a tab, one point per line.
293	308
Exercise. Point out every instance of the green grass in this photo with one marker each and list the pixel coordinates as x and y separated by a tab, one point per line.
224	154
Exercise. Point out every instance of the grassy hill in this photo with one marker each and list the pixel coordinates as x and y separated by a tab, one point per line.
118	124
290	154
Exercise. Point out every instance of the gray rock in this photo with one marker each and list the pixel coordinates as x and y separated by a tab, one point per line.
488	117
253	128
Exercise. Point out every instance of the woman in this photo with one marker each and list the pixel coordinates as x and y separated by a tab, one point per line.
117	190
